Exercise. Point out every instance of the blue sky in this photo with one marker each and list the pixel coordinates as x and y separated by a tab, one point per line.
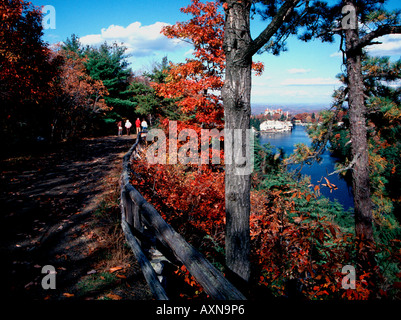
305	74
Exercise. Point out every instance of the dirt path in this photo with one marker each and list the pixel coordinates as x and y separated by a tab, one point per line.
60	208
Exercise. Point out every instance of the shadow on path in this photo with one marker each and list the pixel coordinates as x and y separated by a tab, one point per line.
47	199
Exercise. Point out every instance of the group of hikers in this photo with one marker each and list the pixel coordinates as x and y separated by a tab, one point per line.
140	126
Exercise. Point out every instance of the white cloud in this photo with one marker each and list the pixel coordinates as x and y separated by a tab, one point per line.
189	52
140	40
282	92
91	39
311	82
262	81
336	54
319	94
390	45
298	71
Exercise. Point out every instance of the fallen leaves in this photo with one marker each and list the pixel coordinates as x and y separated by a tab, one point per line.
114	269
68	295
113	296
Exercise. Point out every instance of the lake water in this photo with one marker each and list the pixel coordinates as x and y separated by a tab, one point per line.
287	140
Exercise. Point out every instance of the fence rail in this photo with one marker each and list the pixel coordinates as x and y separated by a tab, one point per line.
138	213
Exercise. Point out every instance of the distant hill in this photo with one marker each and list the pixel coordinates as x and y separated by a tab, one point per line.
258	108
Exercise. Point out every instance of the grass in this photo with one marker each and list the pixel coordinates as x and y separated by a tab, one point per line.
96	283
112	250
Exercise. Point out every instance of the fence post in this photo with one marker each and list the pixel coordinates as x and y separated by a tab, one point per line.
135	208
126	206
136	213
147	269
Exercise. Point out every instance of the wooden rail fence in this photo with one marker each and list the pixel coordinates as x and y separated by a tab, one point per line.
138	215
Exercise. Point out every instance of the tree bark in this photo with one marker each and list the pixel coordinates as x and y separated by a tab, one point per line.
358	132
236	94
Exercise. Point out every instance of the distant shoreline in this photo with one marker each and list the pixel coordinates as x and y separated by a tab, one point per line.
258	108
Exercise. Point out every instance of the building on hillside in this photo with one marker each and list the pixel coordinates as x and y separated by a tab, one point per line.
280	112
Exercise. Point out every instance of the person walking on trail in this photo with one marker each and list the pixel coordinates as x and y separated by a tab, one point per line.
144	125
120	128
138	125
128	126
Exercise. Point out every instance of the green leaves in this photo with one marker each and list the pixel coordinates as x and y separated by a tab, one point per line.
108	63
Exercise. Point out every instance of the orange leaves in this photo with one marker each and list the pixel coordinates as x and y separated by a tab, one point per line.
197	90
329	185
258	67
25	72
194	194
204	30
287	244
114	269
184	274
361	291
113	296
198	81
75	83
68	295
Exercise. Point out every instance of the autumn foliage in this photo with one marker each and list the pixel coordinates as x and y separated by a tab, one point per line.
298	247
76	96
197	82
294	241
26	72
46	92
289	245
25	68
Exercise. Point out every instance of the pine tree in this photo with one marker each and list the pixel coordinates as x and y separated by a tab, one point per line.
108	63
73	45
282	19
359	23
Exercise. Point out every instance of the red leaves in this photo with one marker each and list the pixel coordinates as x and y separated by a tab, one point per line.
285	243
198	81
82	91
193	193
25	71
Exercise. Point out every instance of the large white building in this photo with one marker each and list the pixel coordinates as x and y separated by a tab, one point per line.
275	126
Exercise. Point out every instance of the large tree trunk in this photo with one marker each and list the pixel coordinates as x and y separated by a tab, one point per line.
236	93
236	96
359	143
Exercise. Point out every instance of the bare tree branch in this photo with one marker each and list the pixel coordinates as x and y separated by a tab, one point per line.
282	15
380	31
350	165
